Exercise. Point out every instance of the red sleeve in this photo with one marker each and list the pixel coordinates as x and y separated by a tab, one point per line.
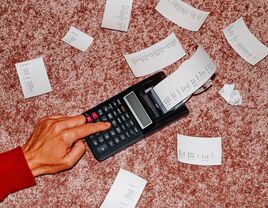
15	173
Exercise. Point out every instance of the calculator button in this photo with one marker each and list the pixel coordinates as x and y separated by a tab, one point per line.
114	123
91	137
123	109
101	139
123	127
123	118
119	120
105	109
110	116
110	106
111	143
128	134
118	102
132	132
136	130
127	115
118	130
94	141
122	137
89	119
114	104
102	148
100	112
103	118
131	122
127	124
95	115
106	136
116	140
115	113
119	111
86	114
112	133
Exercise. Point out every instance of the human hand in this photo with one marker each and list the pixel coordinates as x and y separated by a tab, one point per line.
56	143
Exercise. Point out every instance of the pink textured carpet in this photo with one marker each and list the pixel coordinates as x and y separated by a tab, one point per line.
29	29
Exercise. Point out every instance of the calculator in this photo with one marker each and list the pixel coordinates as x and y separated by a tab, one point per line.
134	114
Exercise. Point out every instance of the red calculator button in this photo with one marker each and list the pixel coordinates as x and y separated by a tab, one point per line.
89	119
95	115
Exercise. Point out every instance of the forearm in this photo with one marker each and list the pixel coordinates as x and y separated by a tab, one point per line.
14	172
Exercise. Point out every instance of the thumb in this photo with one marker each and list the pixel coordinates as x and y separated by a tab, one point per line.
75	153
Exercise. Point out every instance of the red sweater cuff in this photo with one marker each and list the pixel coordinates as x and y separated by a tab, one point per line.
15	173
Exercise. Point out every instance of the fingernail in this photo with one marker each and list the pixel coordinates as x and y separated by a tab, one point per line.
108	124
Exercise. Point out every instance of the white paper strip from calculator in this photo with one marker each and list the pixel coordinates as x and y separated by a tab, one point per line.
244	42
199	151
182	14
33	77
125	191
189	77
155	57
77	39
117	14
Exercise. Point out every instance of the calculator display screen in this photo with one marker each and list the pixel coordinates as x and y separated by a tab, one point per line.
137	109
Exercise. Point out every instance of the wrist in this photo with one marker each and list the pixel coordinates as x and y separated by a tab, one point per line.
31	162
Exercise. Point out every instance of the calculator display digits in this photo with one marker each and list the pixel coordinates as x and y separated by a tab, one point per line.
133	116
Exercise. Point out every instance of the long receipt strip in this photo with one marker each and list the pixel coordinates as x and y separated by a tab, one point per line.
244	42
182	14
199	151
189	77
77	39
117	14
125	191
33	77
156	57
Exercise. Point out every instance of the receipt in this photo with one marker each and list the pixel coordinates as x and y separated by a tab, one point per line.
199	151
189	77
125	191
33	77
156	57
244	42
231	95
117	14
77	39
182	14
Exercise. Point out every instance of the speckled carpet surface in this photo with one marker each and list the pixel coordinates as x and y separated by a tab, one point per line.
80	80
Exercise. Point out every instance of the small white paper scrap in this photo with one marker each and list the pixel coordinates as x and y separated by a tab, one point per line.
117	14
77	39
231	95
155	57
199	151
33	77
182	14
189	77
244	42
125	191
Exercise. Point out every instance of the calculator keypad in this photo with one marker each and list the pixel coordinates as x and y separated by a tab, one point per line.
123	129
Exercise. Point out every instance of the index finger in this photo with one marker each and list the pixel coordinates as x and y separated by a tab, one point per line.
79	132
71	121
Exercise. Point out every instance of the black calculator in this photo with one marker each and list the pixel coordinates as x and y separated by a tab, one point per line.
134	114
